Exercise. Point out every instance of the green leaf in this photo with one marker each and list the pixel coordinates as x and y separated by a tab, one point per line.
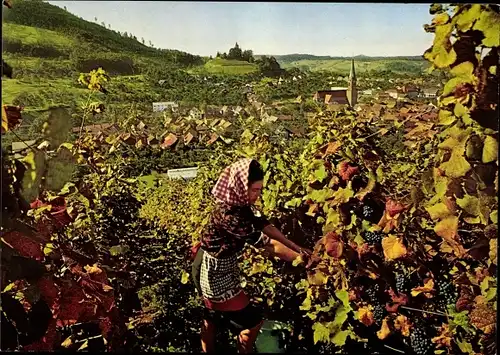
321	173
494	216
321	332
341	315
446	118
457	166
465	347
118	250
343	296
184	277
340	337
464	70
438	211
490	150
470	204
320	196
489	24
466	18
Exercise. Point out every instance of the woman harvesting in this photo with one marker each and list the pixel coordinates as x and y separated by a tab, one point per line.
233	223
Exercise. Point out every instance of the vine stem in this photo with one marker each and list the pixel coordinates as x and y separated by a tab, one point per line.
421	310
21	140
397	350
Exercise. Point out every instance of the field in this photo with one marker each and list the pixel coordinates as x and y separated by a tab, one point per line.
226	66
396	199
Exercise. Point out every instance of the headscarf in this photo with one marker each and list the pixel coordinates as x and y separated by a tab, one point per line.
232	186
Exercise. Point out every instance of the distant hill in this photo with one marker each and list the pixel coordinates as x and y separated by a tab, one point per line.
288	58
38	29
341	65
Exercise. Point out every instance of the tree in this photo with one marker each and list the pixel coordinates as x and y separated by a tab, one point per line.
247	55
103	24
95	19
235	52
142	40
217	55
269	66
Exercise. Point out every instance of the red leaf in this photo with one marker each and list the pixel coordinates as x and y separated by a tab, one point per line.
25	246
49	291
346	171
397	300
393	207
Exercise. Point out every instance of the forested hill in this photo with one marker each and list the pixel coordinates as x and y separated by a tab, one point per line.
87	37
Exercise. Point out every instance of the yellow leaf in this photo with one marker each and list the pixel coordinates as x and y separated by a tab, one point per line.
92	269
489	24
466	18
365	315
426	288
447	228
384	330
184	277
457	166
318	278
493	251
393	247
67	343
402	324
438	211
490	150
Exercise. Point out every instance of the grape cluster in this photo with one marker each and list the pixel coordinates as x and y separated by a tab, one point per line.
373	238
378	313
401	283
447	291
420	342
367	212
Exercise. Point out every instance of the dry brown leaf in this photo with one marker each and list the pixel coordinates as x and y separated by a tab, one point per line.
426	288
444	338
384	330
393	247
465	301
397	300
365	316
484	317
402	323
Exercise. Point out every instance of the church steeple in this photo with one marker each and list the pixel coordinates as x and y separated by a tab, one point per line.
352	92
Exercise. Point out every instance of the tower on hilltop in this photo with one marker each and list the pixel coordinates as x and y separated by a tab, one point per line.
352	91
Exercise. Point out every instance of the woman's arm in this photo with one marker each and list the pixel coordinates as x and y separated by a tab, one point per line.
274	233
276	248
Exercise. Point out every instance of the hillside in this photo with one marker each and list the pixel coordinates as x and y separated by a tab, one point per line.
39	29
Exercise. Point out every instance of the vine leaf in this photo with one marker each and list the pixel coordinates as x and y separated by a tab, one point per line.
384	331
457	166
402	323
439	211
493	251
444	338
393	247
425	289
489	24
365	315
483	317
470	204
490	150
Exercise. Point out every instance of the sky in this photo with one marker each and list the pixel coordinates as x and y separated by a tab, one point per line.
203	28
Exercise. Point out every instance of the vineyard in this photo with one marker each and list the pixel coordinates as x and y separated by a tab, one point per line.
397	201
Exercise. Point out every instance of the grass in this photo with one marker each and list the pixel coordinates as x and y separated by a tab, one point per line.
31	36
41	94
226	66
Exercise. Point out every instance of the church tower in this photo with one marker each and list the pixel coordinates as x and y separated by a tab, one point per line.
352	91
